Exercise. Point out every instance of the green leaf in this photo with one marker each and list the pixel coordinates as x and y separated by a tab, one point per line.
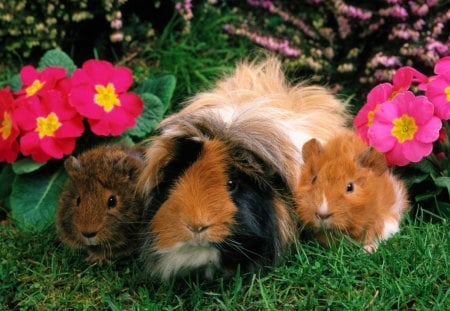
59	59
26	165
429	194
443	182
153	113
425	166
15	82
6	179
162	87
34	199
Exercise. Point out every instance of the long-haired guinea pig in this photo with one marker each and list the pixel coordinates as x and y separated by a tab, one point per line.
219	175
346	187
99	208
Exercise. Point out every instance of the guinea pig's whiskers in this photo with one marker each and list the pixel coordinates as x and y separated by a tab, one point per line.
242	250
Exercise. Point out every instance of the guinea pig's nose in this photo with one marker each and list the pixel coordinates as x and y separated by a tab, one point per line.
197	228
89	234
323	216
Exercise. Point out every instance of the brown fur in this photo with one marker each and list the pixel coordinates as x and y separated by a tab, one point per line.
256	122
263	105
377	196
197	202
96	176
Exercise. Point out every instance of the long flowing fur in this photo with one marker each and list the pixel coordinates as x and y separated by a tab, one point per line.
262	123
264	113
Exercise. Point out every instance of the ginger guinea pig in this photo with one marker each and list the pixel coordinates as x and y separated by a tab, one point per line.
219	175
99	208
346	187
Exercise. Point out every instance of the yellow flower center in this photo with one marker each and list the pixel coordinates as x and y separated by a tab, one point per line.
404	128
447	92
34	87
371	115
6	127
47	126
106	97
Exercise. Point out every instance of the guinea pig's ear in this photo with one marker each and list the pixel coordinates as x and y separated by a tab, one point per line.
310	148
131	165
374	160
72	166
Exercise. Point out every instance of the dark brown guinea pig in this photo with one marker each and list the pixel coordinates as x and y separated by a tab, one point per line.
346	187
99	208
218	176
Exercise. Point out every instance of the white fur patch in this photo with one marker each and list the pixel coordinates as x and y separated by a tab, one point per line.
323	208
226	113
185	257
400	196
390	228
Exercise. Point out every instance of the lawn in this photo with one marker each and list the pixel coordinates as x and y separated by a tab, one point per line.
409	271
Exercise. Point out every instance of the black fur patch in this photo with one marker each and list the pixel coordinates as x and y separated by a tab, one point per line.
185	153
255	241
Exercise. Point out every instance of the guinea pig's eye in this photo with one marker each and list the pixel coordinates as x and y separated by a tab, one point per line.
313	179
112	201
350	187
232	185
78	201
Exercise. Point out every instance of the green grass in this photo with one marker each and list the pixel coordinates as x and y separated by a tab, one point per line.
196	58
410	271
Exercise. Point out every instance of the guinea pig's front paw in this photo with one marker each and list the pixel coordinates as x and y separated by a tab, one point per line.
371	248
95	258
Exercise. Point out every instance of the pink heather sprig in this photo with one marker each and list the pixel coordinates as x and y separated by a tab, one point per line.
403	31
185	9
344	27
279	45
384	60
419	9
394	1
266	4
352	11
272	8
396	11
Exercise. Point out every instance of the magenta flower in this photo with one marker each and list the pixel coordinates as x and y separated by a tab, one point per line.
9	147
438	89
405	129
99	92
385	92
364	118
35	82
50	126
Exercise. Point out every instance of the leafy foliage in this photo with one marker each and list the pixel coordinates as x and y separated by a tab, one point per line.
34	199
31	189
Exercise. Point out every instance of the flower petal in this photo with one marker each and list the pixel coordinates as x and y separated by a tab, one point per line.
414	151
429	132
122	78
396	157
132	103
380	137
82	99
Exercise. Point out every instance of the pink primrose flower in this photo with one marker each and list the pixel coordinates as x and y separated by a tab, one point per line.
438	89
405	129
385	92
35	82
9	147
364	118
49	125
99	93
